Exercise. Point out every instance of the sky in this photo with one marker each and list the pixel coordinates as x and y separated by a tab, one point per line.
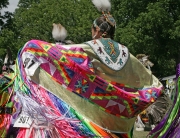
11	7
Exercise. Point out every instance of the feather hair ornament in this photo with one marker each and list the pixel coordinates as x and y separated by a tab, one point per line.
102	5
59	33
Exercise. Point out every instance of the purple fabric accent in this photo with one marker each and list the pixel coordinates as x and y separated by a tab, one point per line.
17	106
74	48
178	71
160	125
9	90
89	90
127	89
77	49
53	51
172	128
176	128
174	122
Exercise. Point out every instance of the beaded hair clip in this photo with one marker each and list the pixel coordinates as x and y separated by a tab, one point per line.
110	19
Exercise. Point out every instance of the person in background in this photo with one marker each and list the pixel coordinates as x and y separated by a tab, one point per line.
8	63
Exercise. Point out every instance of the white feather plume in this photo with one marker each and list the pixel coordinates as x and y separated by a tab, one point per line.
106	5
59	32
102	5
97	4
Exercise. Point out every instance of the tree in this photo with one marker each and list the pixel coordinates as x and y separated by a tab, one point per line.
145	27
151	27
5	18
5	21
3	3
34	20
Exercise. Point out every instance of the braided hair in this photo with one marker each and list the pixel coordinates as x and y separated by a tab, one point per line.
105	26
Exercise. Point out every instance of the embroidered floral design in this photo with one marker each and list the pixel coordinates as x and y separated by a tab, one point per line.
107	60
120	61
112	49
100	50
123	53
111	53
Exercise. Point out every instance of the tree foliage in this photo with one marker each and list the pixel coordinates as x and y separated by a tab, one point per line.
3	3
5	21
34	21
149	27
34	18
5	18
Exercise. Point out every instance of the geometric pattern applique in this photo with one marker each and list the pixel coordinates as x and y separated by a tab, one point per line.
110	87
112	103
39	52
77	60
150	95
74	53
136	100
43	60
52	68
46	47
81	86
132	107
91	77
98	90
90	65
135	106
103	97
100	94
127	106
69	72
63	73
63	59
54	53
135	109
100	82
32	45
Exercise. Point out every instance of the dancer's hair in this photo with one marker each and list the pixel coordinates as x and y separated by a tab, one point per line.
107	29
105	23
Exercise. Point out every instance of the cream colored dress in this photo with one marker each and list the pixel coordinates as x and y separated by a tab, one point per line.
133	74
